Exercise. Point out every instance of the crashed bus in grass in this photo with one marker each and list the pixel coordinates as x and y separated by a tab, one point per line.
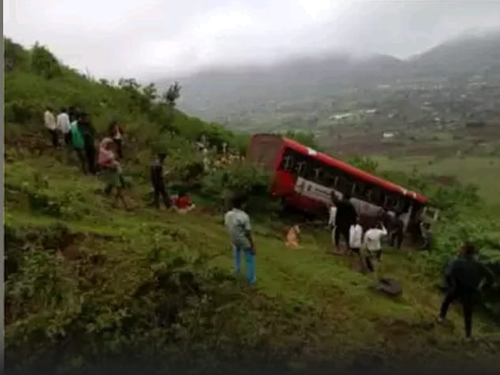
305	179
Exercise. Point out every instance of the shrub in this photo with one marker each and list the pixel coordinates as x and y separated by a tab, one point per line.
244	180
44	63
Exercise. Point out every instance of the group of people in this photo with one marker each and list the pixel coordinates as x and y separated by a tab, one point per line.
465	276
79	136
345	222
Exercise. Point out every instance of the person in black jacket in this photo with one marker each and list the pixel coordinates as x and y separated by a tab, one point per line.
464	278
158	182
88	133
346	216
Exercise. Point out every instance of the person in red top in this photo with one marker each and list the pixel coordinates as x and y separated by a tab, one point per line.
183	202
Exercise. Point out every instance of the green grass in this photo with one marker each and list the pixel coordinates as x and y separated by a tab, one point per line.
351	315
484	172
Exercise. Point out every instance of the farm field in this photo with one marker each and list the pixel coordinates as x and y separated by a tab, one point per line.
484	172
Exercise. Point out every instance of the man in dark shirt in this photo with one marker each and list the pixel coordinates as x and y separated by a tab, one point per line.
346	216
464	277
88	133
158	182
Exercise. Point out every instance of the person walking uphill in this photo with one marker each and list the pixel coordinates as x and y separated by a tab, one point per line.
238	225
63	126
158	182
111	171
77	141
465	278
115	132
88	133
51	125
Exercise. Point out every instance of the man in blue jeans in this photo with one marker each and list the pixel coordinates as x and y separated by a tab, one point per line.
238	225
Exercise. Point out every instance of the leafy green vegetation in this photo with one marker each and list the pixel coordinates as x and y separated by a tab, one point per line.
87	285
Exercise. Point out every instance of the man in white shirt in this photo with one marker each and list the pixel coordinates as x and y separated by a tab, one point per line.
372	240
331	221
63	125
373	247
355	237
50	124
237	223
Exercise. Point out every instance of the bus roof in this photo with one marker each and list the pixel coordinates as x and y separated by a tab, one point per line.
364	176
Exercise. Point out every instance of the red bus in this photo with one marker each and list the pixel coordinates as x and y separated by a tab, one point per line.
305	179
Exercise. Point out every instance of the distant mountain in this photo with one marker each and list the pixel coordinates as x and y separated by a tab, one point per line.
465	55
217	93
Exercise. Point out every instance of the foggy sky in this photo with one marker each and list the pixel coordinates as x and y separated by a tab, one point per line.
154	38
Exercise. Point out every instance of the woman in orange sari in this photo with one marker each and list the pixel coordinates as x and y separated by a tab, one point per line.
292	237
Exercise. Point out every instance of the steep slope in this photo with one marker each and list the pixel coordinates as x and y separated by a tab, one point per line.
112	270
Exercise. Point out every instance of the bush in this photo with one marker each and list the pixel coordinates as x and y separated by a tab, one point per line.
243	180
44	63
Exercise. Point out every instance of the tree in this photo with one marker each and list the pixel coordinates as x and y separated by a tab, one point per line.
44	63
150	92
172	94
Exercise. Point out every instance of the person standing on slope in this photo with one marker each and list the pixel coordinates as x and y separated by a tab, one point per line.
51	125
346	216
237	223
115	132
77	141
465	277
158	182
88	133
111	171
373	247
331	221
63	126
356	238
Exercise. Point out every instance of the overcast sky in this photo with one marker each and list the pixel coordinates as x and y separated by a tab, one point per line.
139	38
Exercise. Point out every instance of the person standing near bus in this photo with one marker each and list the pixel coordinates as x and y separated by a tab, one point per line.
373	248
346	216
355	238
238	225
331	221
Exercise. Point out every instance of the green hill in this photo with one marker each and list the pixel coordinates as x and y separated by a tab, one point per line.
90	286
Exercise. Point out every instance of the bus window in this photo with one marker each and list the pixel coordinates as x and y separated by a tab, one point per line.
287	163
344	185
360	191
377	197
300	168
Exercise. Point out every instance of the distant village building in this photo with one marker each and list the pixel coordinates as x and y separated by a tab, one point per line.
388	135
340	116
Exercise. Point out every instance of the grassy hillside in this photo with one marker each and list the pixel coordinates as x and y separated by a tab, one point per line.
87	285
